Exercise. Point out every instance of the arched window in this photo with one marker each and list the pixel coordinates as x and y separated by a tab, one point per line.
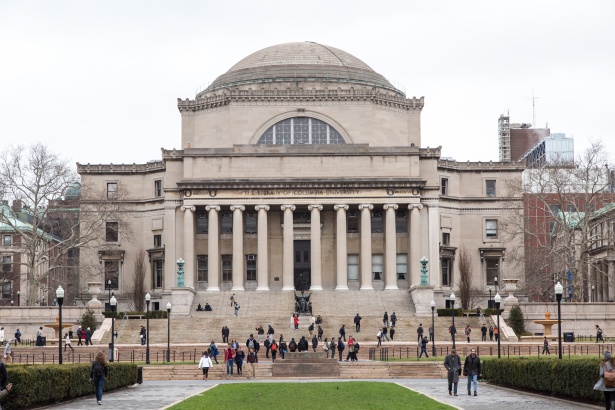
301	130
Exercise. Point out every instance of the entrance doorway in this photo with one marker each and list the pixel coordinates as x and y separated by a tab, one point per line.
303	268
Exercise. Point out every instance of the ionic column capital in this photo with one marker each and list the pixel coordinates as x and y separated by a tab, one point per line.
387	206
188	208
310	207
212	207
285	207
264	207
338	207
417	206
239	207
366	206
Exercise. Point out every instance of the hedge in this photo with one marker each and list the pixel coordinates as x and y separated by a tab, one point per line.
153	314
45	384
447	312
573	378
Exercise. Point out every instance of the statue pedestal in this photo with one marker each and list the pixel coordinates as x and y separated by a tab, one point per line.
511	300
181	300
422	297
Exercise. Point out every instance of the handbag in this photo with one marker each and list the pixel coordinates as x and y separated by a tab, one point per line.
609	379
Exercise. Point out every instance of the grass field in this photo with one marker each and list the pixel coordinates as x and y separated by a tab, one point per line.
321	396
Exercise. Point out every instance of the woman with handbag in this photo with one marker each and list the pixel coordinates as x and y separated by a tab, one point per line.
606	383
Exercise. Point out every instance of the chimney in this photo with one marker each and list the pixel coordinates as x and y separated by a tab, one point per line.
17	206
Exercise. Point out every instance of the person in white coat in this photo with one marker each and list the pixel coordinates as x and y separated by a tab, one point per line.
205	364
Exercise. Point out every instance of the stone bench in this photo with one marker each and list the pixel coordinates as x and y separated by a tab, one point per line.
306	364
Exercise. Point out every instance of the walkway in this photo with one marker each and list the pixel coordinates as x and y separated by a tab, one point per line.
156	395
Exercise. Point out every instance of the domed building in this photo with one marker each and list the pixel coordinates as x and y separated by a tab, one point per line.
301	168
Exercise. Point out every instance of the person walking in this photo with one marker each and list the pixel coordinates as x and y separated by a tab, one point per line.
453	331
274	350
229	358
606	365
296	321
430	331
384	334
225	334
496	333
483	332
343	332
8	353
545	346
283	346
340	348
311	329
270	331
393	319
143	335
252	360
452	363
205	364
491	333
232	300
325	348
67	342
357	323
379	338
599	334
79	336
88	337
98	373
239	358
385	319
419	332
314	343
17	336
332	347
392	332
472	369
320	333
213	350
237	309
260	332
267	345
423	344
467	332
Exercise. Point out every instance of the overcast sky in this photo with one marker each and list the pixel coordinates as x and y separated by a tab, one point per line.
99	80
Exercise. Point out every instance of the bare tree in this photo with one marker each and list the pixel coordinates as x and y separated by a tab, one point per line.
465	278
48	243
560	199
138	290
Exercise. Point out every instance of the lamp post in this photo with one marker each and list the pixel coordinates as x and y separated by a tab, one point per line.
18	294
109	289
148	298
169	332
496	284
60	297
453	330
559	290
433	329
498	299
592	298
113	303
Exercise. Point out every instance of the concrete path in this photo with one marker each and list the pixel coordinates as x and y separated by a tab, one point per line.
155	395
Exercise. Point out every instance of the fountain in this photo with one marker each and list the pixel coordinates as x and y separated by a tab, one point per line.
56	326
548	323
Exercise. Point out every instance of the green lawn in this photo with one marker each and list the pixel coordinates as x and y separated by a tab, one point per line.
322	396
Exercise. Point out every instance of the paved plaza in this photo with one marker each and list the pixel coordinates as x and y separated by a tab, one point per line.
154	395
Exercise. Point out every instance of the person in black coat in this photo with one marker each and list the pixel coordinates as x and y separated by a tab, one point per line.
343	332
357	322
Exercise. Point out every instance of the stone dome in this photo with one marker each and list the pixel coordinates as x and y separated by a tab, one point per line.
301	62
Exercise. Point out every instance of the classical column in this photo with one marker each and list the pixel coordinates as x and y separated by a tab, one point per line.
415	244
611	279
315	247
170	246
238	256
188	247
213	248
434	244
342	248
366	246
390	248
288	248
263	263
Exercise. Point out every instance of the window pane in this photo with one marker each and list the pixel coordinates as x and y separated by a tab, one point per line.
112	268
402	266
251	223
353	267
201	269
226	226
297	131
227	268
491	228
301	130
444	186
7	264
201	223
377	267
251	267
352	222
493	270
401	221
111	232
446	264
490	187
7	290
157	273
111	190
376	222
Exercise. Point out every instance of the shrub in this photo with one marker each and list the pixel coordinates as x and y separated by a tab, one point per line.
447	312
517	321
88	320
492	312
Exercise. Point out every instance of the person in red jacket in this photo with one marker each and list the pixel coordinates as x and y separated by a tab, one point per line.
229	358
296	321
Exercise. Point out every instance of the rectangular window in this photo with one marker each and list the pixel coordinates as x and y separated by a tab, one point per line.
158	188
444	186
112	273
493	270
157	273
227	268
7	240
377	267
226	226
7	264
446	238
490	187
402	266
491	231
111	190
250	267
111	231
376	222
555	209
352	222
157	241
7	290
571	208
201	268
353	267
401	221
446	271
201	223
251	223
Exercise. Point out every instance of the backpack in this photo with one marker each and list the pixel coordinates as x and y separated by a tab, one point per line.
274	347
267	343
340	345
99	370
311	327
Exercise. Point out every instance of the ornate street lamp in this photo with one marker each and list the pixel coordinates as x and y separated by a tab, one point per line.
453	330
148	298
498	299
559	290
169	332
60	298
18	294
424	281
113	303
180	273
496	284
109	289
433	329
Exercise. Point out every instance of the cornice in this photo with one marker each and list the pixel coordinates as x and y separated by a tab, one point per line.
346	183
480	166
150	167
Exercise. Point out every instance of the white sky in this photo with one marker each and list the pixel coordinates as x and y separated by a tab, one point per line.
99	81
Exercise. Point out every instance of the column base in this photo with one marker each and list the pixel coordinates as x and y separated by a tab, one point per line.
288	288
342	288
262	288
181	300
234	288
213	289
391	287
369	287
316	288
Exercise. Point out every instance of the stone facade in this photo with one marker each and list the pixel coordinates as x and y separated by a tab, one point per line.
357	213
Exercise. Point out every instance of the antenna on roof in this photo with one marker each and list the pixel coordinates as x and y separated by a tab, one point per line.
534	107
